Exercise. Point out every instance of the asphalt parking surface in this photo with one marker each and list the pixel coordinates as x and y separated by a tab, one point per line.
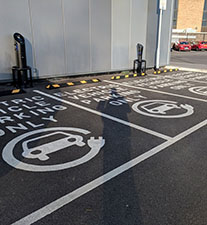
119	152
192	59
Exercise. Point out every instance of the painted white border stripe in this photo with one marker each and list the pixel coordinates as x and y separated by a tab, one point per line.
156	91
154	133
66	199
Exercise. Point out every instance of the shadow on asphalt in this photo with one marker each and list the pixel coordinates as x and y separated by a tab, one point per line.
120	201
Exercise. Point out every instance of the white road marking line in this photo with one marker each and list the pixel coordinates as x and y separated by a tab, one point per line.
190	131
148	131
156	91
66	199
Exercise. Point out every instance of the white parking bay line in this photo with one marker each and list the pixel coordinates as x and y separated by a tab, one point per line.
156	91
66	199
154	133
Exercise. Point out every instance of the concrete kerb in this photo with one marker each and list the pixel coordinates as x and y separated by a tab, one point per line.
74	83
186	69
12	92
165	70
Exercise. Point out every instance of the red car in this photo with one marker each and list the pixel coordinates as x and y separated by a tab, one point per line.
182	46
200	45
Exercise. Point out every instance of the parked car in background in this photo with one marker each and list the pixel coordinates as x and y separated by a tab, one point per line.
199	45
182	46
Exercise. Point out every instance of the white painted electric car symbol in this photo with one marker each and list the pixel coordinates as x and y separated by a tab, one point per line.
163	109
199	90
159	107
41	152
58	138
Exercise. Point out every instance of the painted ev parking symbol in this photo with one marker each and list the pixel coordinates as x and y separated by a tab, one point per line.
163	109
52	140
199	90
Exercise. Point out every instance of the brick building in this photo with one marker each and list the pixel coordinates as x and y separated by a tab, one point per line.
190	14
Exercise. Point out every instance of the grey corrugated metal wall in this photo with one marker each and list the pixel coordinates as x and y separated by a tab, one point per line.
47	25
12	19
77	35
151	35
69	37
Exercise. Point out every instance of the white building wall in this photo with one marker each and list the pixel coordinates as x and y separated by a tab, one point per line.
77	35
120	34
13	19
100	35
69	37
47	26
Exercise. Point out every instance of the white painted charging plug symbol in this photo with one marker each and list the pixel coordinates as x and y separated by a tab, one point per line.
96	143
41	152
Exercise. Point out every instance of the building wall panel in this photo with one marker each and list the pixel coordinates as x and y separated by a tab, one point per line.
13	18
120	34
47	25
166	36
151	36
77	35
71	37
152	33
138	27
100	35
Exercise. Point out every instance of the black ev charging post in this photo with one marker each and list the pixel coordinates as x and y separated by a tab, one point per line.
139	62
19	44
20	71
